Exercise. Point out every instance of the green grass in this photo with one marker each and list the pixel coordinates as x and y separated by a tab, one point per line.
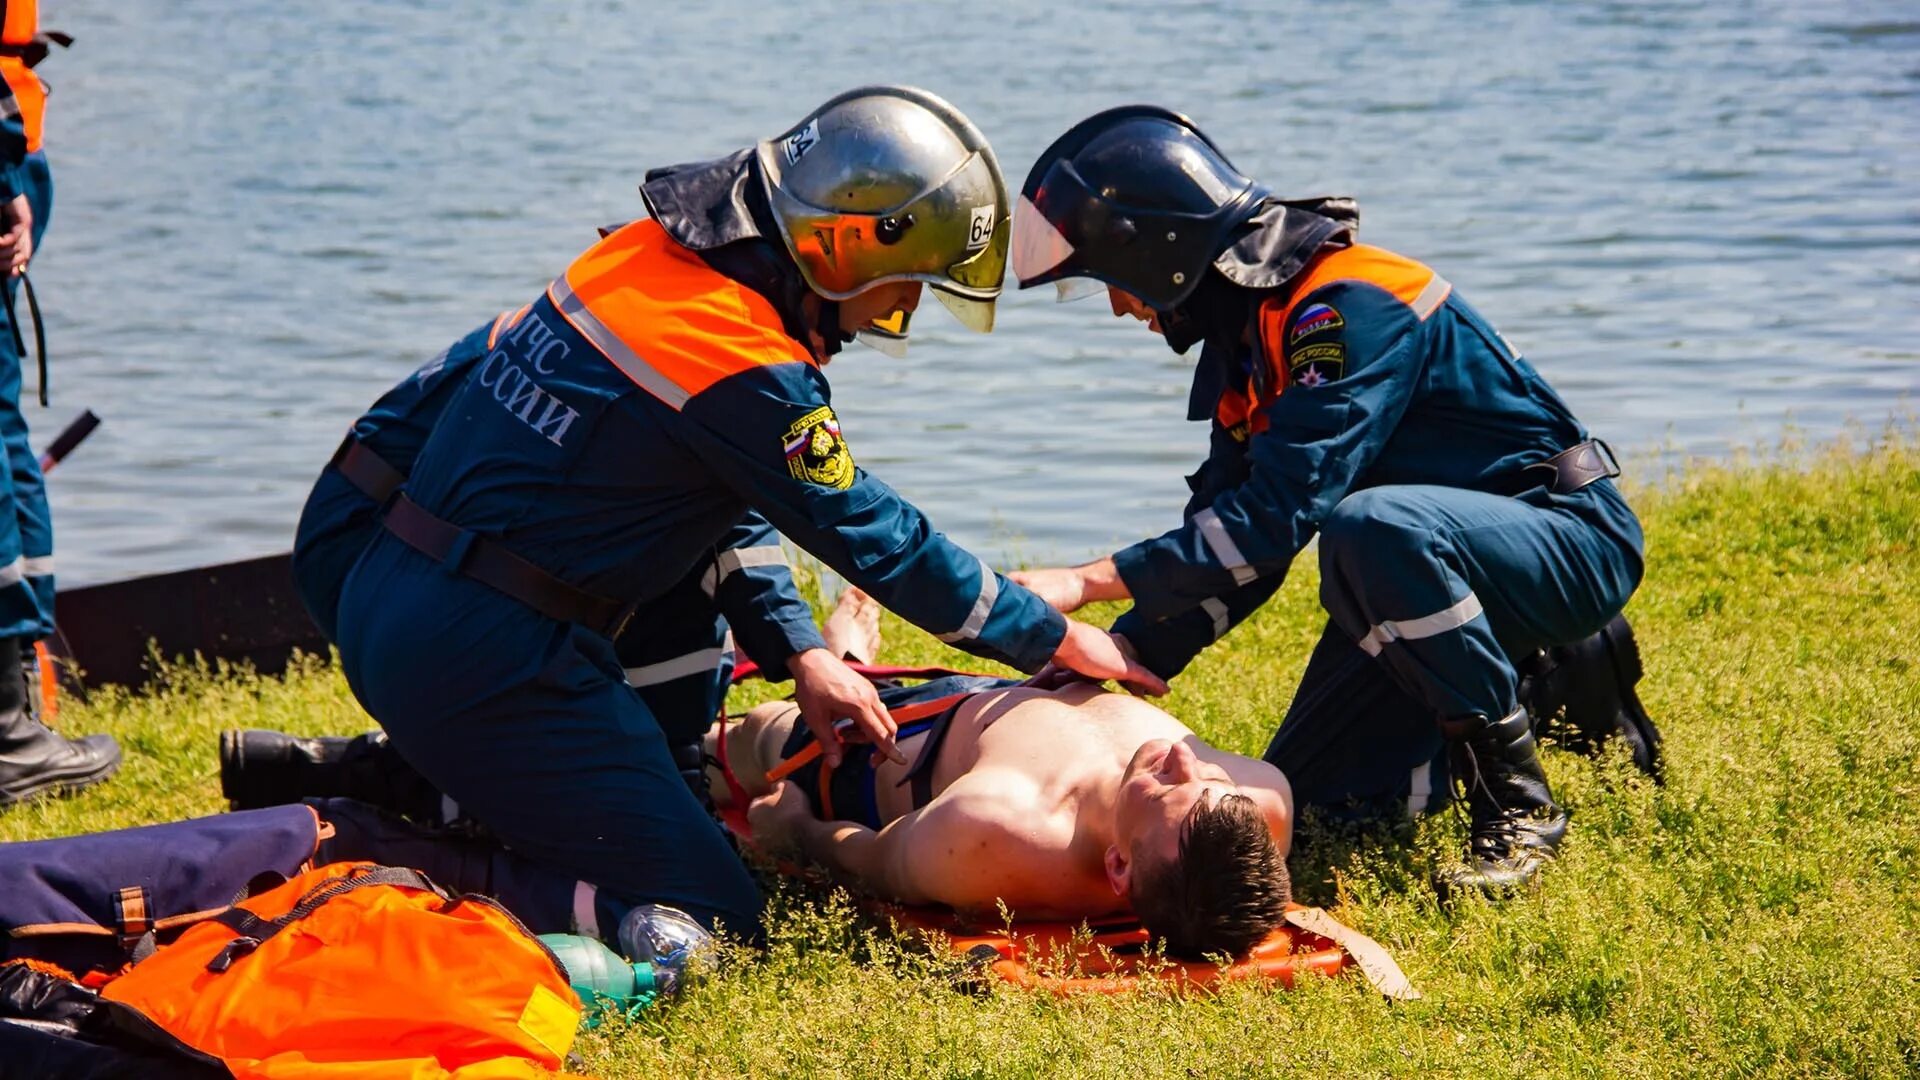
1759	915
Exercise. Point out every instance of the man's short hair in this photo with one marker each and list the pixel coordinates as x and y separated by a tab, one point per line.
1225	891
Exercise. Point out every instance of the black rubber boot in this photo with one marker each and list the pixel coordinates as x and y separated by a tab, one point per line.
271	768
1516	828
1583	694
34	760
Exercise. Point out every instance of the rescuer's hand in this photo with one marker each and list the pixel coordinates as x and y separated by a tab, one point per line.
16	244
1100	655
1068	588
828	690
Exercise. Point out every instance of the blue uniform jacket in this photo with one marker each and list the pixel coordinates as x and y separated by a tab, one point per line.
1368	370
751	583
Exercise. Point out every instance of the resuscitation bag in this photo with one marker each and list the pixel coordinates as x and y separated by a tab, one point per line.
360	970
98	902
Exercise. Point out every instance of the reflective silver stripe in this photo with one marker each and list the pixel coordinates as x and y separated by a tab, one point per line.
449	811
703	662
734	559
585	919
13	571
1425	626
1212	606
1223	546
616	350
39	566
1420	789
1432	296
982	607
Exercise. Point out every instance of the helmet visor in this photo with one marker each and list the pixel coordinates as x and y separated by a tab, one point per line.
975	315
1039	248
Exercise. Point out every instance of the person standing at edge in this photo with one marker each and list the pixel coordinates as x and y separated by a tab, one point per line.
33	759
1466	520
665	384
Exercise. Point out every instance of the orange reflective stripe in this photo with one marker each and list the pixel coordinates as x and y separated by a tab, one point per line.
20	23
505	320
1412	283
672	323
28	100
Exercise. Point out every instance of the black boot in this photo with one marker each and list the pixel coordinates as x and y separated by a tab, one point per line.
1516	828
1583	694
271	768
36	761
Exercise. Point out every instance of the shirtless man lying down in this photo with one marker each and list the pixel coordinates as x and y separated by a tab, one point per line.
1070	803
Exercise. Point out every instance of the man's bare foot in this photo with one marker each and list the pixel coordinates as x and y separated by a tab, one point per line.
853	630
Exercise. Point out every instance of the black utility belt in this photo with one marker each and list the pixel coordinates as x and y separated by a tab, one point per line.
1578	466
490	563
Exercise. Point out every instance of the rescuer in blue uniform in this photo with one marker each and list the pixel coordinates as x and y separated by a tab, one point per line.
33	759
665	385
1467	523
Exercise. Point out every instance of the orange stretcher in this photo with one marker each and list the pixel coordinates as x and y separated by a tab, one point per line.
1109	956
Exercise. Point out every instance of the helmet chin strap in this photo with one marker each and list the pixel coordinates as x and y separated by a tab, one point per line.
828	327
1217	310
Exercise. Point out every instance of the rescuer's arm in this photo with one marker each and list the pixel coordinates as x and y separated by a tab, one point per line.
769	434
753	586
1324	431
1166	647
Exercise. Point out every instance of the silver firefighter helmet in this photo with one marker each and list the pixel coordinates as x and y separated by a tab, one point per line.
891	183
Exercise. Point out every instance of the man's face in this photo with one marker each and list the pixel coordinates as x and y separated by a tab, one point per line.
1161	786
879	302
1125	303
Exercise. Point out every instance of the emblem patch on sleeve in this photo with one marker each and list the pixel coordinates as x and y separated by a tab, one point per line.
1318	365
817	452
1313	320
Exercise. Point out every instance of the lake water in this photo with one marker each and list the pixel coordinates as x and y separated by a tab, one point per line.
1700	221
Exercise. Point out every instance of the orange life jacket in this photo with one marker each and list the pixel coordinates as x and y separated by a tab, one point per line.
363	971
19	25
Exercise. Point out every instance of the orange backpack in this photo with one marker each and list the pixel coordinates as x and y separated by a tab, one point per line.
361	970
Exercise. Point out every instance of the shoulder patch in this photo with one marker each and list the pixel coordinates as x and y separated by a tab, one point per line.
817	452
1317	365
1313	320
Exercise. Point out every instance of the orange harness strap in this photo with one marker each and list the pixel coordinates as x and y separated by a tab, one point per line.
905	714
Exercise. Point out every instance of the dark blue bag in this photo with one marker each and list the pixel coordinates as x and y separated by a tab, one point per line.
103	900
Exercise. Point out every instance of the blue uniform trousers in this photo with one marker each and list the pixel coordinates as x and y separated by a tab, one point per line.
1432	592
530	727
26	522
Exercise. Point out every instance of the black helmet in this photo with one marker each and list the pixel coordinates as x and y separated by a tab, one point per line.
1136	197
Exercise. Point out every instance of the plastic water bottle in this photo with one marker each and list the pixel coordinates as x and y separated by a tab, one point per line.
605	981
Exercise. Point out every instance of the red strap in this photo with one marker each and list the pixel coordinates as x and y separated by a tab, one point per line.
747	669
735	815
